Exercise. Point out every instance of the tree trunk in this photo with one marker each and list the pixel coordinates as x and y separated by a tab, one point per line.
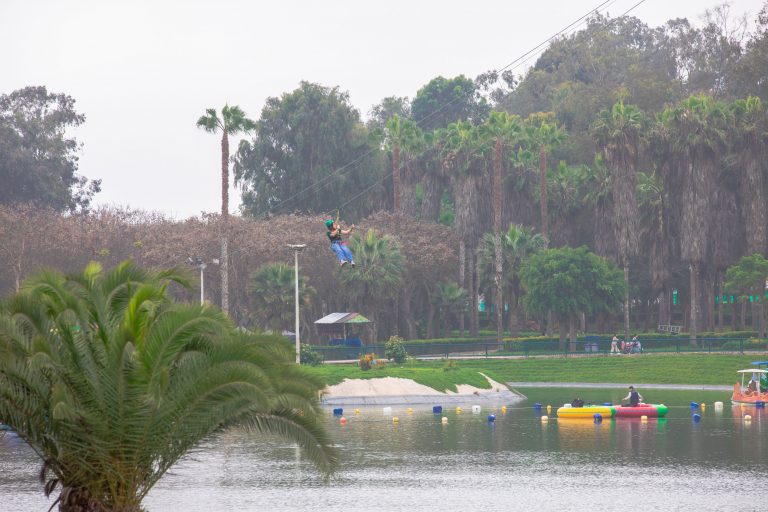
562	330
514	330
224	263
571	333
462	279
497	205
743	319
626	302
433	194
396	178
692	329
720	305
543	207
430	316
475	318
548	329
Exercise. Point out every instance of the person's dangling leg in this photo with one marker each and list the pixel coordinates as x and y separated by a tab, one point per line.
339	250
347	254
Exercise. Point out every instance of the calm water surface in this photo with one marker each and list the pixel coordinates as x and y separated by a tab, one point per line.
517	463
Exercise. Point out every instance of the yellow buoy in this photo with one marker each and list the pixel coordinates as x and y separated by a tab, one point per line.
544	419
357	411
549	408
395	419
445	420
703	406
643	418
503	409
458	410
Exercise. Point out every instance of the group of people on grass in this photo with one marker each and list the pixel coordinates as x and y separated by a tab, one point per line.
626	347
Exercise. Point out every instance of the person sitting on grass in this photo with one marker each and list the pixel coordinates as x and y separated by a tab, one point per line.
633	398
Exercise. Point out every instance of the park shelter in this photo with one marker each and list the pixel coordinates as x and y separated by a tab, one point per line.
339	328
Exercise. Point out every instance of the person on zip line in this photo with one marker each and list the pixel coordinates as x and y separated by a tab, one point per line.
338	246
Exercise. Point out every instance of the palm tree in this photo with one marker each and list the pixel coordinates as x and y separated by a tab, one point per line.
451	302
400	134
697	128
378	274
517	244
231	122
272	289
111	382
619	133
501	130
542	132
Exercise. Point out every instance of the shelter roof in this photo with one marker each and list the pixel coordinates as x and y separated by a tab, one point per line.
343	318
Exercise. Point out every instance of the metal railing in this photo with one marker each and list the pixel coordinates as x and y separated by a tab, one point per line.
490	348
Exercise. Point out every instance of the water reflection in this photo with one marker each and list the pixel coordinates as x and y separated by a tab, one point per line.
469	464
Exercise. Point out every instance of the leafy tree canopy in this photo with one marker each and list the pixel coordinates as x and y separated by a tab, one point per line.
310	153
38	161
568	281
444	101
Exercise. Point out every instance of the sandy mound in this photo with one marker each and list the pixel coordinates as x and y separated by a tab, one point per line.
395	386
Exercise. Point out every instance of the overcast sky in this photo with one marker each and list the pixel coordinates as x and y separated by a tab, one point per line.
143	71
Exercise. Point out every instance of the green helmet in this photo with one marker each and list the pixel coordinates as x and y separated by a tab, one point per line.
329	223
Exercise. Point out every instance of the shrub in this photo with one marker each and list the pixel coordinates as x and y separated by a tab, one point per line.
450	365
308	355
394	350
366	361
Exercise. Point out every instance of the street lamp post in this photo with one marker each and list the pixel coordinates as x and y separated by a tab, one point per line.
197	262
297	248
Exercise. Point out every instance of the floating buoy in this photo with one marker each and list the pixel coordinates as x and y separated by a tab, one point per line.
395	419
760	404
703	407
343	420
387	411
445	420
643	418
503	409
458	410
491	418
475	409
544	419
718	406
696	418
694	405
607	404
598	418
437	409
338	411
549	408
537	406
410	410
357	411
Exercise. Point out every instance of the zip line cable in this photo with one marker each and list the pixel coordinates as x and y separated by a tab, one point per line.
570	28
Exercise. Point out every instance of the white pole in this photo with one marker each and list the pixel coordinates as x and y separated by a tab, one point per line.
202	285
296	275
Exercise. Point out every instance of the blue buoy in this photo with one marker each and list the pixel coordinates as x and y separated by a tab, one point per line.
491	418
537	406
338	411
598	417
694	405
607	404
696	418
760	404
437	409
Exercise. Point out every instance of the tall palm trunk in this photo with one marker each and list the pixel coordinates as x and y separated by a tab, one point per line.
626	301
224	264
462	280
396	177
497	205
693	326
543	191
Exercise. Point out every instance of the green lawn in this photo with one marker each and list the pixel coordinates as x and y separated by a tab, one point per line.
646	369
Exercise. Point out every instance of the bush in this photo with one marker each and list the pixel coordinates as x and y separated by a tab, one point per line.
366	361
450	365
394	350
307	355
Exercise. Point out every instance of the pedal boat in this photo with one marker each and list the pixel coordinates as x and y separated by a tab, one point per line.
649	410
743	395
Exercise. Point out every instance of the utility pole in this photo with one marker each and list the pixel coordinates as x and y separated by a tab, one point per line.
199	263
297	248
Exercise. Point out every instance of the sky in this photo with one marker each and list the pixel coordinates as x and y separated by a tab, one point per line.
144	71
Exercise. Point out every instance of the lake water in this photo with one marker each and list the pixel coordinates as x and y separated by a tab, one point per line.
516	463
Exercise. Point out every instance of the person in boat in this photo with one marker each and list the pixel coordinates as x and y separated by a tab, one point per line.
337	244
633	398
751	387
577	402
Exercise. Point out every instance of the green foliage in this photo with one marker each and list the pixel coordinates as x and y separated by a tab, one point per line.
111	382
394	350
309	356
302	139
569	281
38	162
443	101
366	362
272	292
749	274
450	365
378	271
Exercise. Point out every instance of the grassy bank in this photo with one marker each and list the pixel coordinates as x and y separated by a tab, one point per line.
647	369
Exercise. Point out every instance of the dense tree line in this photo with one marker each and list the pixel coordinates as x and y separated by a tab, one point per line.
644	144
